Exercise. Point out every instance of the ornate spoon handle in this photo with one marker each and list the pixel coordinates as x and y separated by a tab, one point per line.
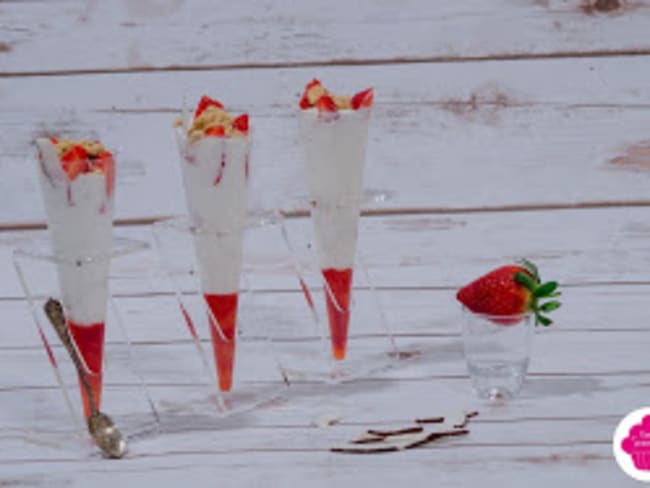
54	312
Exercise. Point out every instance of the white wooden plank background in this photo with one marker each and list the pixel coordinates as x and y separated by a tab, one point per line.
476	124
502	129
56	36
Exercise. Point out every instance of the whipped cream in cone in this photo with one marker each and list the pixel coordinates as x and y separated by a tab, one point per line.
80	222
215	165
335	154
215	177
334	133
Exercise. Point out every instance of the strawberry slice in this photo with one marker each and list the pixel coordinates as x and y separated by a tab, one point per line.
75	162
106	163
206	102
304	101
314	82
241	123
215	131
54	140
326	104
362	99
510	290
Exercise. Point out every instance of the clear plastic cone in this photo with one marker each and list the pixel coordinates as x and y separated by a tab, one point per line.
215	175
335	153
80	222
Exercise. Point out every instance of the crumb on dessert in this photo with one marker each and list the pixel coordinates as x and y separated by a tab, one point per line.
342	102
92	148
84	156
212	120
317	96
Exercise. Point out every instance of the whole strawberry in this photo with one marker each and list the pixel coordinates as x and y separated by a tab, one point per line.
511	290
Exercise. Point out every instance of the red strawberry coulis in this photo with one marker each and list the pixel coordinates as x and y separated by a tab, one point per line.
339	282
224	310
222	167
89	339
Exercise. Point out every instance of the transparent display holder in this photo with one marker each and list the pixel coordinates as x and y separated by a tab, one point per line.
125	395
306	348
257	376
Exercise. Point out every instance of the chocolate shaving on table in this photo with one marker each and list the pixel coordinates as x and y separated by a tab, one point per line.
367	440
437	435
404	354
394	439
464	422
388	433
430	420
369	450
381	441
438	420
381	448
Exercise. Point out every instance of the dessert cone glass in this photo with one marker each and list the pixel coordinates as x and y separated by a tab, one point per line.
248	373
335	152
80	222
215	175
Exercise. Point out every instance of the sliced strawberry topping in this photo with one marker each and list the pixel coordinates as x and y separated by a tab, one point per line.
206	102
312	84
241	123
304	101
54	140
75	153
102	159
362	99
106	163
215	131
326	104
75	162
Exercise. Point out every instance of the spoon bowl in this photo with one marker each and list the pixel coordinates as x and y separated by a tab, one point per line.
106	435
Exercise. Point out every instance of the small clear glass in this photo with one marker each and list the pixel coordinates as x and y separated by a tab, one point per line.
497	352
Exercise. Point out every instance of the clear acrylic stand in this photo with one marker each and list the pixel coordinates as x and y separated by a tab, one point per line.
371	346
125	396
257	376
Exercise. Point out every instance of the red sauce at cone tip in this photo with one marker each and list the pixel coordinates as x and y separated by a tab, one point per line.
89	339
340	284
224	309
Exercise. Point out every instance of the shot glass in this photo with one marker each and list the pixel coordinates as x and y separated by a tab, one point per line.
497	352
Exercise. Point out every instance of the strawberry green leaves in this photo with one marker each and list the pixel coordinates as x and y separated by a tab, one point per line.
526	280
549	306
545	290
531	280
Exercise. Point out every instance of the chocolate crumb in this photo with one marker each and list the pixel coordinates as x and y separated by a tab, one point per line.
430	420
388	433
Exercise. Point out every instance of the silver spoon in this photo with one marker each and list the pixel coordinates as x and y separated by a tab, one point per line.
101	427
